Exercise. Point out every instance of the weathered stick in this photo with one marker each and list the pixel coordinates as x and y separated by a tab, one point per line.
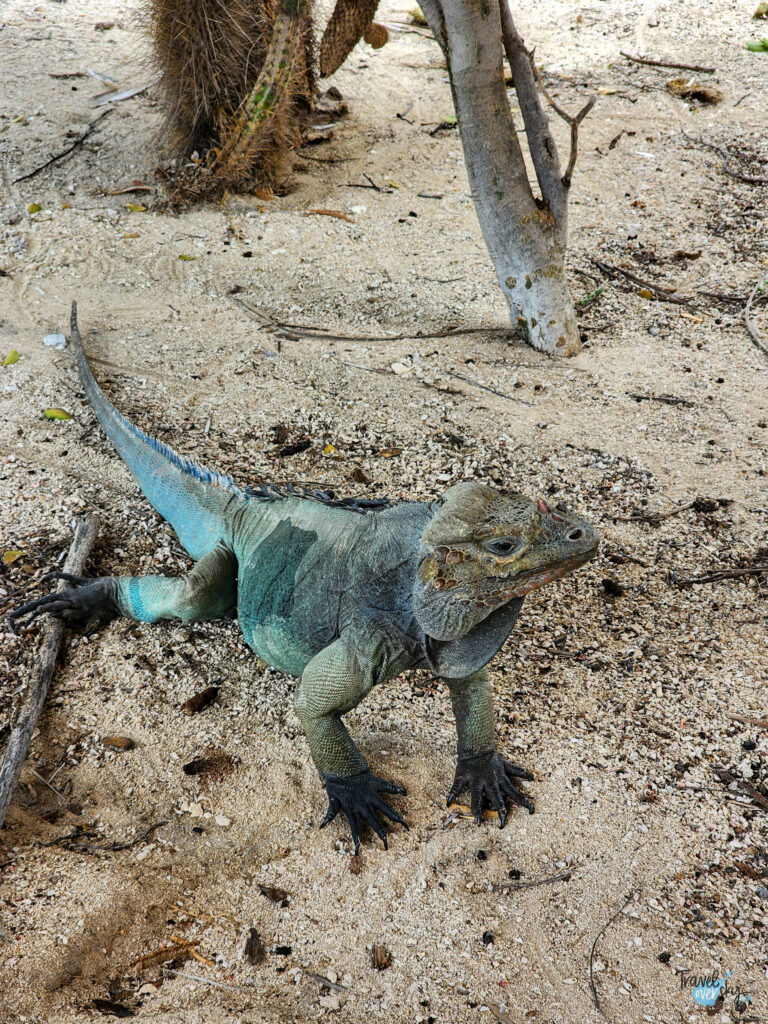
668	64
18	744
751	327
65	152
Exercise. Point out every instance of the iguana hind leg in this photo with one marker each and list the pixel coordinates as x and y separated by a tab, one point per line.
334	682
480	769
209	591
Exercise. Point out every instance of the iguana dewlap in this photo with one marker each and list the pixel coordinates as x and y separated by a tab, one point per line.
344	594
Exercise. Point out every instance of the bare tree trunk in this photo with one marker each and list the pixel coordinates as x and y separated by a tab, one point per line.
526	235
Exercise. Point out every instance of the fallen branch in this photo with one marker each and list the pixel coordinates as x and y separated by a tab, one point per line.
563	876
668	64
664	399
762	723
77	842
338	214
726	157
18	744
295	332
751	327
606	926
207	981
65	152
484	387
661	293
723	574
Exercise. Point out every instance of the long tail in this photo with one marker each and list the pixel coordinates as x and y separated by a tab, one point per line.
190	497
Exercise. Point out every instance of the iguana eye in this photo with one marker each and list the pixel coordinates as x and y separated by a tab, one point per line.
502	545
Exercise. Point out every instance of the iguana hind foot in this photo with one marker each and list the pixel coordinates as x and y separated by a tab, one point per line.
88	602
488	777
359	797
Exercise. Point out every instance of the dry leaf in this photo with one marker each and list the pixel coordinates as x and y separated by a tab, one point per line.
688	89
466	812
390	453
118	742
9	557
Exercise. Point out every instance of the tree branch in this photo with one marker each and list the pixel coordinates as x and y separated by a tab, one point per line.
751	326
18	743
433	12
541	143
573	121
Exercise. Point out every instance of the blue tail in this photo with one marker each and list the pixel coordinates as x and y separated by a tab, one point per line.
188	496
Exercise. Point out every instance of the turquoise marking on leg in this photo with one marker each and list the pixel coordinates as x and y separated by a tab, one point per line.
134	596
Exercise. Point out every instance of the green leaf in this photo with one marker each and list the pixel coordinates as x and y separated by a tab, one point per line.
9	557
135	207
184	256
759	46
12	357
57	414
34	208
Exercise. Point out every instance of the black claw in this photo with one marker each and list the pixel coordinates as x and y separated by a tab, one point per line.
487	777
87	602
58	574
359	796
333	809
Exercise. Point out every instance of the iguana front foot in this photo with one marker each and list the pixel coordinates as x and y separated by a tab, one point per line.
488	777
90	603
358	796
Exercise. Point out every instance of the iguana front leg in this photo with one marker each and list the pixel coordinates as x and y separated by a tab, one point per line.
480	769
334	682
209	591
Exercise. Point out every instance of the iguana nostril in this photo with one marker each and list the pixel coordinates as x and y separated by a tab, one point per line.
575	535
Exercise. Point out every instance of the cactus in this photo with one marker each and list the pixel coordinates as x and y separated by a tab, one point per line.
237	81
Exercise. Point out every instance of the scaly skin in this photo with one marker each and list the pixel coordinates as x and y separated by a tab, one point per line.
344	594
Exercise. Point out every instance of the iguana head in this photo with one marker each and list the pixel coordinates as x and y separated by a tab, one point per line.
484	547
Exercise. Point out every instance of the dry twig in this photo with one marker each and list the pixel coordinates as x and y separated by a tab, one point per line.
294	332
664	399
762	723
65	152
661	293
751	327
562	876
726	157
723	574
606	926
668	64
18	744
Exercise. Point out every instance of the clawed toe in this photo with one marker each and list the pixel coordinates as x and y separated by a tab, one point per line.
488	778
359	797
86	602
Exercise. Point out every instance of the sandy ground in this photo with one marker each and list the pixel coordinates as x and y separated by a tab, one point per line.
639	704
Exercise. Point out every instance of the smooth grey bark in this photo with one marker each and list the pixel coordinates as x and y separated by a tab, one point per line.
526	235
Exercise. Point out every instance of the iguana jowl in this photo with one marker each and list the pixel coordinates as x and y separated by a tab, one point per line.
344	594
